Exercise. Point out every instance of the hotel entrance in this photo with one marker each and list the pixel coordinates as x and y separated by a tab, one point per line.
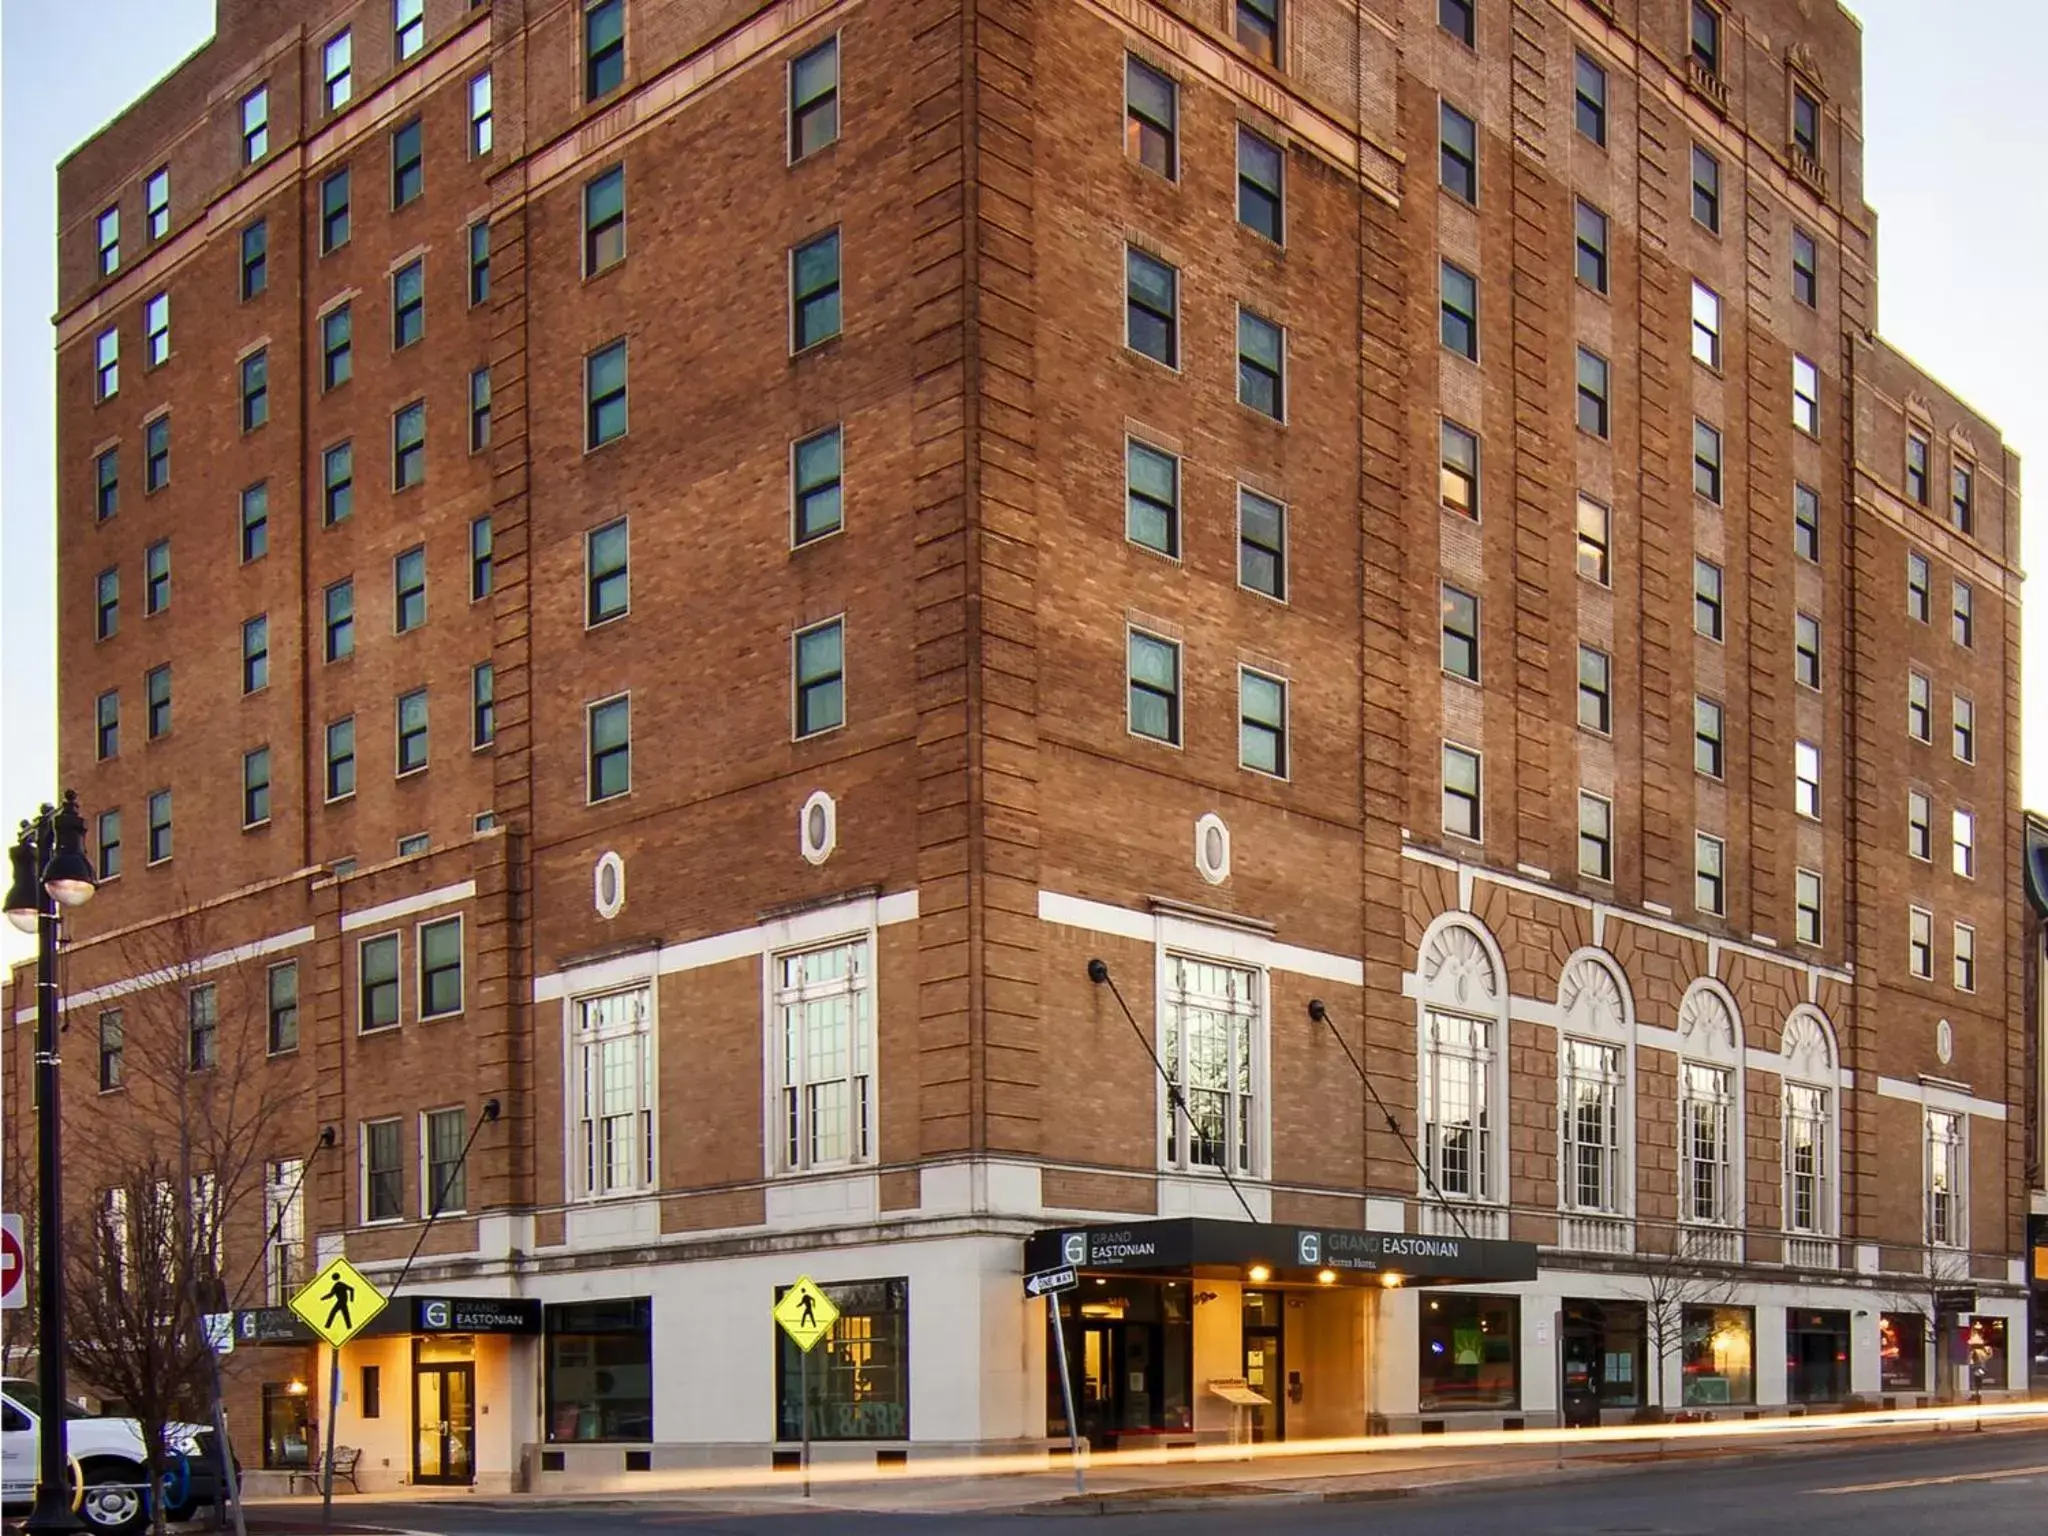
444	1410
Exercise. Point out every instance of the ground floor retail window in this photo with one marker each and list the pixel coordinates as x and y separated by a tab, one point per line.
1470	1352
284	1425
1816	1356
856	1383
600	1370
1603	1350
1902	1352
1987	1354
1719	1356
1130	1355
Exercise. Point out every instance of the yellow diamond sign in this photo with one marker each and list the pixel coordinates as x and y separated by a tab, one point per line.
806	1313
339	1302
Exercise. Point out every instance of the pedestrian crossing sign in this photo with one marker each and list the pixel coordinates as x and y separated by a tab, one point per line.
339	1302
806	1313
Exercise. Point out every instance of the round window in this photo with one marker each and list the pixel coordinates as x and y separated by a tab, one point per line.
817	828
608	886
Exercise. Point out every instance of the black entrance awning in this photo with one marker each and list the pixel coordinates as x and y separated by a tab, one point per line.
1203	1246
406	1314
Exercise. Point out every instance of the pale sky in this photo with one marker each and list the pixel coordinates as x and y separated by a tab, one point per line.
1955	128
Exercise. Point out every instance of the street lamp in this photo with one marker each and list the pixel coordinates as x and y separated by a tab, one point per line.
50	872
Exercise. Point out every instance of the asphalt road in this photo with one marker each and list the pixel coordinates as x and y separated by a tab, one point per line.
1970	1485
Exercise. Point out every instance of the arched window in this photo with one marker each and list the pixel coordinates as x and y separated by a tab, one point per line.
1461	983
1811	1080
1709	1100
1594	1035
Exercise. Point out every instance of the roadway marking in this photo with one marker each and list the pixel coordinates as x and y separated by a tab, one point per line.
1936	1482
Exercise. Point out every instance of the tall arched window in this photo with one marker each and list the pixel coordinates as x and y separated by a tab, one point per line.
1811	1083
1709	1108
1461	984
1595	1031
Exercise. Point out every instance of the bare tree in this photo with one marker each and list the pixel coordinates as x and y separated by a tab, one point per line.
1679	1267
1946	1269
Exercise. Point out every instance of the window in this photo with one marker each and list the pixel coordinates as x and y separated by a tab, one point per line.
858	1379
1709	874
1261	365
156	330
1151	112
1151	497
409	445
111	1049
1458	482
110	845
1919	825
479	410
1706	325
1965	976
1457	1104
605	574
1916	468
1706	598
1594	535
600	1355
814	291
1920	942
409	27
1706	461
480	114
377	983
1919	586
283	1032
604	221
1455	17
383	1170
1593	397
156	577
337	73
256	787
1806	897
408	164
1963	720
479	559
337	346
106	604
1258	28
107	237
820	678
444	1132
1806	650
409	303
106	359
1806	522
1806	1137
256	125
1706	1116
483	705
106	475
334	212
1806	773
409	586
156	203
1590	231
1962	497
1154	678
1805	395
479	262
341	758
825	1053
609	732
1210	1037
107	725
255	521
440	967
159	826
202	1028
1261	544
1262	723
1963	838
1461	792
1946	1215
1459	301
604	47
1707	754
157	694
255	390
1589	104
341	620
1261	185
612	1071
1805	269
1805	124
255	653
1591	1114
1706	37
816	466
338	483
814	100
1596	836
1151	307
1706	189
1460	632
604	391
1458	154
1596	692
1962	621
412	731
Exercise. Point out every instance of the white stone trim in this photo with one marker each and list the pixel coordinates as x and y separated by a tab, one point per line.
405	906
1933	1096
1215	939
256	949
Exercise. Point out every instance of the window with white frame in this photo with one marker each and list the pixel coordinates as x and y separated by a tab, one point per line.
445	1187
1457	1104
824	1021
1965	958
1806	770
1590	1111
284	1225
1706	1116
1209	1035
1947	1217
1806	1134
611	1054
1920	942
1963	835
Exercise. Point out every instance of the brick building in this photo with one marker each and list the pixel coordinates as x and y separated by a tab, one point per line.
686	570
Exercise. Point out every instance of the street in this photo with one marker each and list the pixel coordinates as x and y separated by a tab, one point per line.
1989	1485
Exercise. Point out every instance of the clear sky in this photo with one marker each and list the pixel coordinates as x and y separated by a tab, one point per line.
1955	127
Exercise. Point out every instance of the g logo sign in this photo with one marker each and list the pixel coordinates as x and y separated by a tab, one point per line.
1074	1247
434	1314
1310	1246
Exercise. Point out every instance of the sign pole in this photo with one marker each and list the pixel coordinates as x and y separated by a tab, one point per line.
803	1410
327	1461
1059	1340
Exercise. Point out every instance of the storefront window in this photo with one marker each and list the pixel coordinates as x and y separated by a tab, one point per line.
1816	1356
1987	1355
600	1370
856	1383
1902	1352
1603	1350
1470	1352
1719	1356
1131	1352
284	1425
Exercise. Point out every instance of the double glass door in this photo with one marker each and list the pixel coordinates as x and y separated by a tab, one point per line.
444	1418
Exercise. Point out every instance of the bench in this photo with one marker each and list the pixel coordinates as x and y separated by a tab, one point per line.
345	1459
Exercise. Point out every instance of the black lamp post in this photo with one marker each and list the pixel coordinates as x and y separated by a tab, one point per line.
51	872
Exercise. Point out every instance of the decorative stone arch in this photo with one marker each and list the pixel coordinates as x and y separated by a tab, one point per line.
1807	1049
1710	1035
1710	1025
1594	999
1459	971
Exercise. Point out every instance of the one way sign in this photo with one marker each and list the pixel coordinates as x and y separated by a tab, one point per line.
1047	1281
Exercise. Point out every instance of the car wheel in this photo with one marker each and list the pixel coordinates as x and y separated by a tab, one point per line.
115	1502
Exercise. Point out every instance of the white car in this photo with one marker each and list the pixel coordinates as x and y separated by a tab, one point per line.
110	1457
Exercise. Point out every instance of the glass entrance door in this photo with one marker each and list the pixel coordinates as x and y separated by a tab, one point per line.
444	1418
1264	1365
